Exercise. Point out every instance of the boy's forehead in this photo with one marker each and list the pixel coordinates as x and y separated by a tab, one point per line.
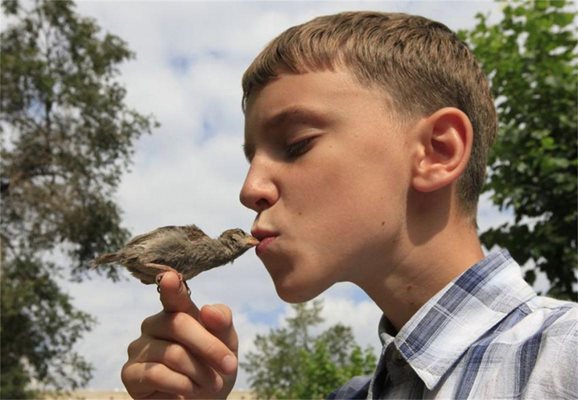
289	94
292	98
310	98
295	93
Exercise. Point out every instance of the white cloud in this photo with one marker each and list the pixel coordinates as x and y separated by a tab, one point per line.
363	317
190	59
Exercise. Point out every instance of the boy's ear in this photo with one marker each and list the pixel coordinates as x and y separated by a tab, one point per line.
444	145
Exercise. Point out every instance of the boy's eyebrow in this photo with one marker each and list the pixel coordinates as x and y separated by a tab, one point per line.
287	116
294	114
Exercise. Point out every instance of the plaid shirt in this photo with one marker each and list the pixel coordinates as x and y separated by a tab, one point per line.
486	335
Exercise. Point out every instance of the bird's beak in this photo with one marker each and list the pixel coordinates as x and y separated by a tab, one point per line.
252	241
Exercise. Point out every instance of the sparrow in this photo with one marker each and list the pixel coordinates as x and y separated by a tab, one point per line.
186	250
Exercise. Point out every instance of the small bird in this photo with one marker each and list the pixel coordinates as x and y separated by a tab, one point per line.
187	250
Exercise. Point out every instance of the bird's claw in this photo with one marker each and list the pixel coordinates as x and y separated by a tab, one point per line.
184	283
187	287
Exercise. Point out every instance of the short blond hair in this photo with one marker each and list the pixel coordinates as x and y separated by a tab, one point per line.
421	64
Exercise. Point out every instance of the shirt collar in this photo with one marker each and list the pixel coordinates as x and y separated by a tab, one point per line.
437	335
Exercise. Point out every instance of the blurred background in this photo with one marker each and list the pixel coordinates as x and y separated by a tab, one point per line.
122	116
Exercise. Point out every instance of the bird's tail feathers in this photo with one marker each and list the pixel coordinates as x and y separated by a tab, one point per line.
104	259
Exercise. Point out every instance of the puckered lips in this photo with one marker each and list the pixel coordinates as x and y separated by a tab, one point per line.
265	237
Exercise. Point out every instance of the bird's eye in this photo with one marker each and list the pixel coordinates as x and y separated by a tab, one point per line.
299	148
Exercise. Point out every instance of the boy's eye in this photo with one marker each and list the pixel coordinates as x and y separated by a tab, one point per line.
298	148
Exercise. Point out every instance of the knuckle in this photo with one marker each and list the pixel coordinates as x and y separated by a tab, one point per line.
146	324
134	348
180	318
177	322
154	373
128	376
176	354
124	375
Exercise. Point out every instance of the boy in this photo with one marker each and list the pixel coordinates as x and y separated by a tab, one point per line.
367	136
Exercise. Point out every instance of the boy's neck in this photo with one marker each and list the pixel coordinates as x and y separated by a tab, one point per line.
424	267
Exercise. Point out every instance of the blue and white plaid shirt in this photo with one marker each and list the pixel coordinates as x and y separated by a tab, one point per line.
486	335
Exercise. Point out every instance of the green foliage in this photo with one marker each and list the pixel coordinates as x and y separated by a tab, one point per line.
530	56
66	138
290	363
38	325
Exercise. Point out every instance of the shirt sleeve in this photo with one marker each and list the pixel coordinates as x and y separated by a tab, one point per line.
554	374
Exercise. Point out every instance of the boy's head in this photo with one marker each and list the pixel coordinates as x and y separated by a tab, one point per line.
420	64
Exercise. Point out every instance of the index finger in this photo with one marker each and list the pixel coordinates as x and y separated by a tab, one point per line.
174	295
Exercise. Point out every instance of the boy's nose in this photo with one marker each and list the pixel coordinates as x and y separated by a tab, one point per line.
259	192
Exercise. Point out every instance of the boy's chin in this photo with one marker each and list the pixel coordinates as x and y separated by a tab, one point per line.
292	292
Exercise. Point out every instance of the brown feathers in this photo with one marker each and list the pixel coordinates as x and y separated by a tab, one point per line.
185	249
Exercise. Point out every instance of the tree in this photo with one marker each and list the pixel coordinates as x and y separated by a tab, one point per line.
291	363
66	138
530	56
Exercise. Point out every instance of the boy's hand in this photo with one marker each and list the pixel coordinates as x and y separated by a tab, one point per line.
183	352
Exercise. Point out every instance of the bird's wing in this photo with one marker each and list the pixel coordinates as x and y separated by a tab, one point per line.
193	232
146	236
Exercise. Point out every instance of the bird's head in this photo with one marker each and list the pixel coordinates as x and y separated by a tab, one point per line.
238	240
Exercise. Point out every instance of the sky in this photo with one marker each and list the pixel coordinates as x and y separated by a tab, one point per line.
190	57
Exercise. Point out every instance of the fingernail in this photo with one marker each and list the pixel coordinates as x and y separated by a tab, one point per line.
229	364
158	278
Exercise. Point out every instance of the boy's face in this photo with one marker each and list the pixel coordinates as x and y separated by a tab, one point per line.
329	180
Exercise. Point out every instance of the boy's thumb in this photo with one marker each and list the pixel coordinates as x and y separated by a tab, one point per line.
174	295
